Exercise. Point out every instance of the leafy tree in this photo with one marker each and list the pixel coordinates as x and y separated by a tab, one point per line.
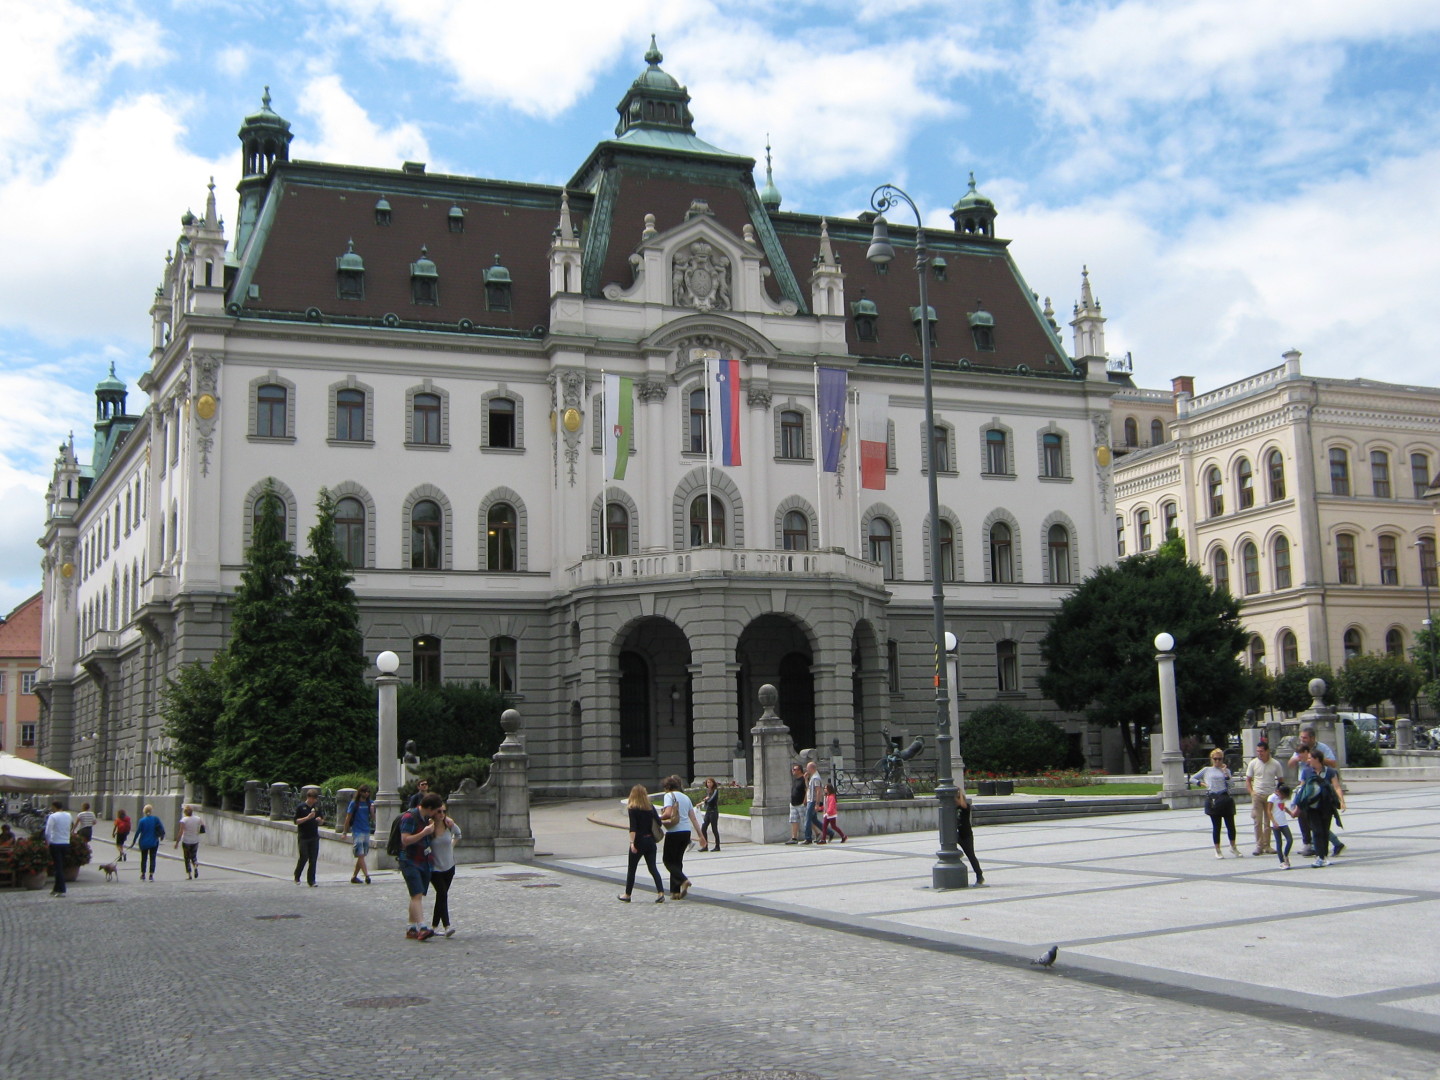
1292	688
190	706
1000	738
334	711
1100	654
1426	652
259	689
1367	680
450	719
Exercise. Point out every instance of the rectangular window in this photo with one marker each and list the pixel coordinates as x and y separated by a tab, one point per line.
502	664
1339	472
792	435
1007	667
1054	464
1420	474
1345	558
27	682
3	674
350	415
892	666
996	459
270	406
27	735
1380	473
1389	561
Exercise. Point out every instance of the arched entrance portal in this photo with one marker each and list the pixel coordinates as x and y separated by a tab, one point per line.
653	695
775	649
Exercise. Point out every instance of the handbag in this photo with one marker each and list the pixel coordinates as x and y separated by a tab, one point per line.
657	831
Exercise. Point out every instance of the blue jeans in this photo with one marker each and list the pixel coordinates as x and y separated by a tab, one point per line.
812	821
417	878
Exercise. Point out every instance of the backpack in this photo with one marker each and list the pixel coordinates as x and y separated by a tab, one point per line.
393	846
1316	793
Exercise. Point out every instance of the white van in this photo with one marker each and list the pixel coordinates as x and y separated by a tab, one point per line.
1368	723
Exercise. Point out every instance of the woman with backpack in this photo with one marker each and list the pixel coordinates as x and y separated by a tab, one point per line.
1219	803
1321	798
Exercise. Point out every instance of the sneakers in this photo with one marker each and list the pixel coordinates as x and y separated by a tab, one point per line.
792	841
354	880
807	841
412	933
1286	864
1307	851
424	934
1318	863
449	931
1219	854
197	872
1257	851
1338	848
1236	852
660	899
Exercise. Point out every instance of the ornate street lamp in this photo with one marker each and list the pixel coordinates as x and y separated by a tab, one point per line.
949	871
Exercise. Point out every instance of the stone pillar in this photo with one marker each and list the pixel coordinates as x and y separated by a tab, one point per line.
1172	761
252	796
770	812
514	841
277	801
1322	718
343	798
1404	734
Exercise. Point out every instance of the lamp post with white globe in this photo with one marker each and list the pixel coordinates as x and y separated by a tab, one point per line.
1172	761
387	774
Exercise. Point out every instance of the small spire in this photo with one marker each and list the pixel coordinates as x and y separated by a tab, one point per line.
653	55
770	194
972	179
827	253
1087	299
567	227
212	218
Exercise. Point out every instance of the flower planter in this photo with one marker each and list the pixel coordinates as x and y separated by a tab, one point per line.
71	873
1004	787
987	787
33	881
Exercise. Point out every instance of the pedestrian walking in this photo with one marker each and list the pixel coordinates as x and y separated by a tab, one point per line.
1219	804
966	832
797	802
308	820
121	833
58	827
1301	759
1261	776
814	803
422	788
417	828
442	870
832	815
191	826
709	807
85	822
149	831
641	812
678	817
1280	810
1321	798
360	821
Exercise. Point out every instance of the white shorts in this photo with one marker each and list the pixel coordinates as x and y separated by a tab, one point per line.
797	814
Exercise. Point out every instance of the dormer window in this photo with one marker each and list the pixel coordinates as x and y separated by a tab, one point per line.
939	267
497	287
865	314
424	280
350	275
932	319
382	211
456	219
982	329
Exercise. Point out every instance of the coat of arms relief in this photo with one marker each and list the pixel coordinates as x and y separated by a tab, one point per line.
700	278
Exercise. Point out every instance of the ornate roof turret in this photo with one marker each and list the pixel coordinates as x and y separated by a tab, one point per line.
769	194
265	138
655	100
974	214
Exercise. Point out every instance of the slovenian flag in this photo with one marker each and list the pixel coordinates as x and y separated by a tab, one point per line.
619	424
725	409
832	417
874	439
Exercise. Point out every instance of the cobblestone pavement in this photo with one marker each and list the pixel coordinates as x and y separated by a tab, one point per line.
549	977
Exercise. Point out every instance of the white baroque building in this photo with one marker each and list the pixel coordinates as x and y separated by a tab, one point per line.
1311	498
430	348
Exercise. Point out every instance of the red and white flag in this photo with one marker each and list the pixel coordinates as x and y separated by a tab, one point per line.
874	439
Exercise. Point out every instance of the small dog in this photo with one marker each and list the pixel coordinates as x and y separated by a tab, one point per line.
111	874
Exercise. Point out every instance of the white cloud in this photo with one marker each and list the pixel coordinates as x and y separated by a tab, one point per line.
233	60
346	134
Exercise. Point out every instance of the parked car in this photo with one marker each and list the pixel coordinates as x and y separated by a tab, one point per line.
1364	721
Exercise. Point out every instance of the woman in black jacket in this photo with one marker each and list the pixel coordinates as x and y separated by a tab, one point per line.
642	841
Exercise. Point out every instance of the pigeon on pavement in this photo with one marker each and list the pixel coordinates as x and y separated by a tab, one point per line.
1048	960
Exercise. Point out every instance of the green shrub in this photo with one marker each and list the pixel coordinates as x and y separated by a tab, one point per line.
445	774
1001	739
1360	752
450	719
347	780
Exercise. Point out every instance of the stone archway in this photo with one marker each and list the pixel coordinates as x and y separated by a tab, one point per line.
655	723
777	649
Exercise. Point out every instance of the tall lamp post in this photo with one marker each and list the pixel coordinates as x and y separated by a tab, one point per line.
387	772
949	871
1425	572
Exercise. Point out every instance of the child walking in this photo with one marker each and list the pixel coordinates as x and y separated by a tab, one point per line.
1280	813
832	816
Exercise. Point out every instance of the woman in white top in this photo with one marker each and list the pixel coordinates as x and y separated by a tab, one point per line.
1219	804
442	870
189	837
678	816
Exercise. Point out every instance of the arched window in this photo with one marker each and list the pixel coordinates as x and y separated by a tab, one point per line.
1354	644
1142	527
997	458
1345	558
270	412
1169	515
425	534
502	423
1053	450
1157	433
1250	567
707	532
1257	652
1132	432
1220	569
425	661
617	529
792	434
350	415
1281	550
697	421
350	530
1389	560
503	663
1244	485
425	419
882	545
1214	492
1394	643
1380	473
947	550
796	531
1007	667
500	552
1002	564
1059	541
1339	472
1289	651
1275	468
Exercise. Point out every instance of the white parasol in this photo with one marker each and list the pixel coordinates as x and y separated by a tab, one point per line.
30	777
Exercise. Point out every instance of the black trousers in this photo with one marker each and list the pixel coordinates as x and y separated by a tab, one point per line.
57	859
1320	832
967	838
674	858
440	881
711	823
644	849
309	855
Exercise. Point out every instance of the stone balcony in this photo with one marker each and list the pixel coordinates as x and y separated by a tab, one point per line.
721	562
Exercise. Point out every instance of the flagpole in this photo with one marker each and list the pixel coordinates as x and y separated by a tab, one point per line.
817	439
710	376
852	446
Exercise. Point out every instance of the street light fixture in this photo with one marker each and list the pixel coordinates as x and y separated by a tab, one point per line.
949	871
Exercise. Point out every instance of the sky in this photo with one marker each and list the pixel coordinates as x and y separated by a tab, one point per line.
1240	176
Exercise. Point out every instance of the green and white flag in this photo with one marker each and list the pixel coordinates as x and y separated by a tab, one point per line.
619	424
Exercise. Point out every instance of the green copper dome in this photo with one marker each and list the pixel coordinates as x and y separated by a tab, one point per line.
973	198
110	382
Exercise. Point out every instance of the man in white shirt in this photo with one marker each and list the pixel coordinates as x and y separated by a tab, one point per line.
57	835
1261	776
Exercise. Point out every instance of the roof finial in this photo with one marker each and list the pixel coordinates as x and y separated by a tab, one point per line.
265	98
972	179
1087	299
211	217
770	194
827	252
653	55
